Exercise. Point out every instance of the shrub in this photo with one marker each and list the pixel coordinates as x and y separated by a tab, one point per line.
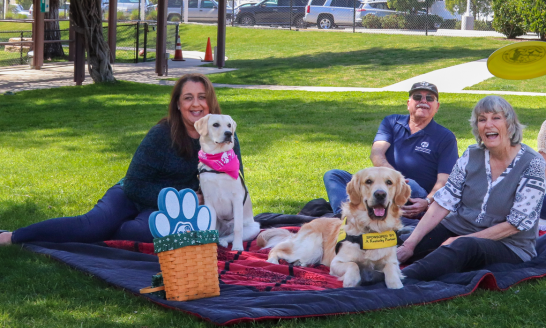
152	15
62	15
10	15
393	22
421	22
534	16
507	18
121	15
483	25
175	18
449	24
135	15
371	21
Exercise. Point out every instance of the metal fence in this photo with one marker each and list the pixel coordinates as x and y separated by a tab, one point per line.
136	42
14	54
370	16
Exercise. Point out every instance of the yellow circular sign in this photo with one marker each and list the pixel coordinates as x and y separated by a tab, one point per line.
519	61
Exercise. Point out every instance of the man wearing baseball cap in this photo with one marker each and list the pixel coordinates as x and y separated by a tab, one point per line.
414	144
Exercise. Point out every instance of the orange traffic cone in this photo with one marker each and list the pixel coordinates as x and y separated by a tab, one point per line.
208	53
178	50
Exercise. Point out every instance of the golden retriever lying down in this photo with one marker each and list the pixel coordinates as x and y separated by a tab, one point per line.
367	241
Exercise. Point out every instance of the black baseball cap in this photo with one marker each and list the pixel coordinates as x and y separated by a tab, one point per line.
424	86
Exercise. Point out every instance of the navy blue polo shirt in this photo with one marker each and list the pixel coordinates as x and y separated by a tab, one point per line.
419	156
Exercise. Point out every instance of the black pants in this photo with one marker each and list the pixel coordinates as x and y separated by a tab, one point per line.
464	254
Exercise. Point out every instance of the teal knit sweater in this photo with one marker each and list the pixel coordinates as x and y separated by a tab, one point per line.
157	165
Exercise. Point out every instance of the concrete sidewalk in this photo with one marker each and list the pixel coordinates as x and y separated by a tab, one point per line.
451	79
53	75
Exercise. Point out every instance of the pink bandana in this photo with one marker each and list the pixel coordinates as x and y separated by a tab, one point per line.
226	162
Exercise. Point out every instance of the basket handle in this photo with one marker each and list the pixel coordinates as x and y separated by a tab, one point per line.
148	290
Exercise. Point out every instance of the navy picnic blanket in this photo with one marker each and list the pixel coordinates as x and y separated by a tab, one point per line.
252	289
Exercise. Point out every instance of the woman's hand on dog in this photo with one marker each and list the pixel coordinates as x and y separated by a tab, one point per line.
200	197
419	205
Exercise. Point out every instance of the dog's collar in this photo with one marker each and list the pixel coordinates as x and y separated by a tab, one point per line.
201	168
372	240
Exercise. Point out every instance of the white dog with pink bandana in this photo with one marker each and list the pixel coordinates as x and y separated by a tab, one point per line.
223	187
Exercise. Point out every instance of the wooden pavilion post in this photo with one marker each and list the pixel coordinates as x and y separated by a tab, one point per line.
221	36
79	58
38	36
112	28
161	45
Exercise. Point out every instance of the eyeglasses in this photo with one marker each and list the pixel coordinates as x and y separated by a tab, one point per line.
418	97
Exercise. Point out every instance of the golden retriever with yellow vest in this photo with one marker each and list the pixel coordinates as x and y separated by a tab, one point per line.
365	238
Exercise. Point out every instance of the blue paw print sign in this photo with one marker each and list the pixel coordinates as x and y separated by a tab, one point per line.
178	212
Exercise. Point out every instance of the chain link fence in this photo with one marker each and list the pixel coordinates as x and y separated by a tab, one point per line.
370	16
136	41
16	54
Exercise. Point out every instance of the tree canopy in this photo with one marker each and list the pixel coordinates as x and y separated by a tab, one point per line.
410	6
478	8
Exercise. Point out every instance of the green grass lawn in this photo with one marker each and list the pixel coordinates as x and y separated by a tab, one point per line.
61	149
532	85
283	57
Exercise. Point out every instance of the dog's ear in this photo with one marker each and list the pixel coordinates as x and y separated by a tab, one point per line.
201	126
353	190
403	191
233	124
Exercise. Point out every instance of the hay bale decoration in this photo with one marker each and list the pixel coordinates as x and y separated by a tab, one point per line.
186	244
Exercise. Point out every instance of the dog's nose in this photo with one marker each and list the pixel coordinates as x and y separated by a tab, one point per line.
380	195
228	134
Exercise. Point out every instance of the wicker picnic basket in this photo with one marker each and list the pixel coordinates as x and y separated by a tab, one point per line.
189	265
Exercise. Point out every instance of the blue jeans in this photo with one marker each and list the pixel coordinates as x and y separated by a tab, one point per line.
336	182
114	217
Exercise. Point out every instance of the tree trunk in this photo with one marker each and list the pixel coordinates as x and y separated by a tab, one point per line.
85	16
52	32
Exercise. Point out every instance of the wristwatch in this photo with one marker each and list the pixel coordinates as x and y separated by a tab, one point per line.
428	201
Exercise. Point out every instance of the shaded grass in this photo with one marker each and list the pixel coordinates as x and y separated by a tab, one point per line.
531	85
60	149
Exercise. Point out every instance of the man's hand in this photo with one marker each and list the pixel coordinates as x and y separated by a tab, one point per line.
419	205
405	251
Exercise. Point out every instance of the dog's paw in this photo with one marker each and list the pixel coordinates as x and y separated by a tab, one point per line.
178	212
350	279
393	282
273	260
223	242
237	247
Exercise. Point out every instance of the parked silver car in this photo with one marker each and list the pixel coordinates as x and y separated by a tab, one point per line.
127	6
378	8
331	13
198	11
64	10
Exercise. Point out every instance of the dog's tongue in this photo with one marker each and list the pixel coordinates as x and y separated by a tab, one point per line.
378	211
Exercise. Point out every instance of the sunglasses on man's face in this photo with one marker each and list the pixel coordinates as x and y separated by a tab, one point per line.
418	97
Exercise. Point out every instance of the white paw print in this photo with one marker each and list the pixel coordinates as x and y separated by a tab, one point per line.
179	212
